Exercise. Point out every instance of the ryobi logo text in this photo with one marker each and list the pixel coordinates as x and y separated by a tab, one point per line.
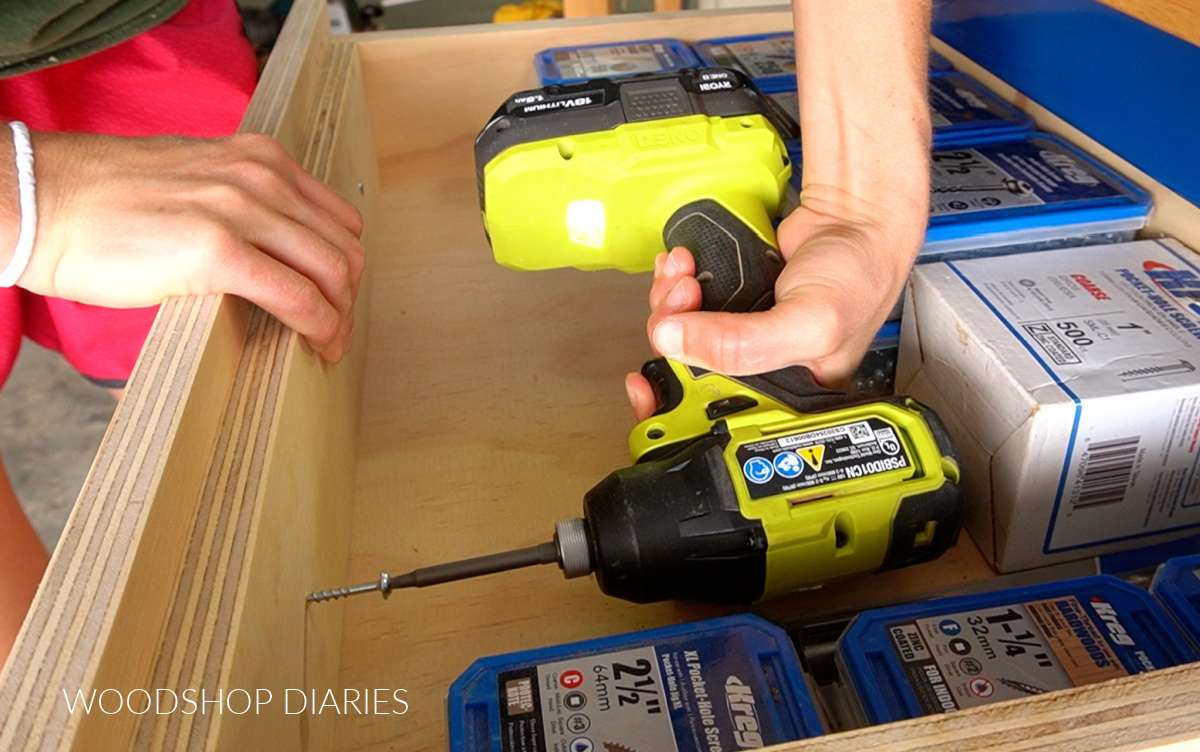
1108	615
662	137
739	698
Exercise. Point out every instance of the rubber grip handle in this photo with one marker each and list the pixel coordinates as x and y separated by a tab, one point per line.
736	268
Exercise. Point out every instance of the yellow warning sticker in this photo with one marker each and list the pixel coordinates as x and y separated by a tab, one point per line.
813	456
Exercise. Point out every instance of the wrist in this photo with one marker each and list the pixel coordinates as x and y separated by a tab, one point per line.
25	221
880	171
864	106
10	204
56	166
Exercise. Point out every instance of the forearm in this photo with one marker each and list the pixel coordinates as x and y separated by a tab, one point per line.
23	560
863	75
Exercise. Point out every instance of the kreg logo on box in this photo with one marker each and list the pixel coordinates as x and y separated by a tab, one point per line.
744	714
1112	622
1182	284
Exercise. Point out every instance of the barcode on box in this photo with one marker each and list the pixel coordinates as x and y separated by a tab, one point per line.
1107	468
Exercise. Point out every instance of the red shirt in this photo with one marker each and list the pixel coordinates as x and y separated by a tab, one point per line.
191	75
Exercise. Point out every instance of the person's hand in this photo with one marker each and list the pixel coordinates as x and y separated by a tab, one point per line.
846	265
126	222
863	74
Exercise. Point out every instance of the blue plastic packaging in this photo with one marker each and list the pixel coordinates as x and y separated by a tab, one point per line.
768	59
1177	587
1134	562
953	653
960	107
732	682
787	107
565	65
991	197
1034	193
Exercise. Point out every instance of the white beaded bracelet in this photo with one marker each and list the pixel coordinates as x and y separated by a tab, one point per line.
28	202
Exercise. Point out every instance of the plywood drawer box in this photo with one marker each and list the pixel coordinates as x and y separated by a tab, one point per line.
240	473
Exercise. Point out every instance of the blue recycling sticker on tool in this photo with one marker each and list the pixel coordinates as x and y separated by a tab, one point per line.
758	470
788	465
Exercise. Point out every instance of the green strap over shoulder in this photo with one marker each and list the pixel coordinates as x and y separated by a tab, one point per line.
49	32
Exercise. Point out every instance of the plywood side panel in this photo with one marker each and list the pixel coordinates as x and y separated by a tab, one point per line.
104	608
284	99
1178	17
93	625
275	509
200	614
300	533
1140	712
427	89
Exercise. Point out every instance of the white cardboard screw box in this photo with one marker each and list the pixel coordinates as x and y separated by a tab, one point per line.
1069	380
